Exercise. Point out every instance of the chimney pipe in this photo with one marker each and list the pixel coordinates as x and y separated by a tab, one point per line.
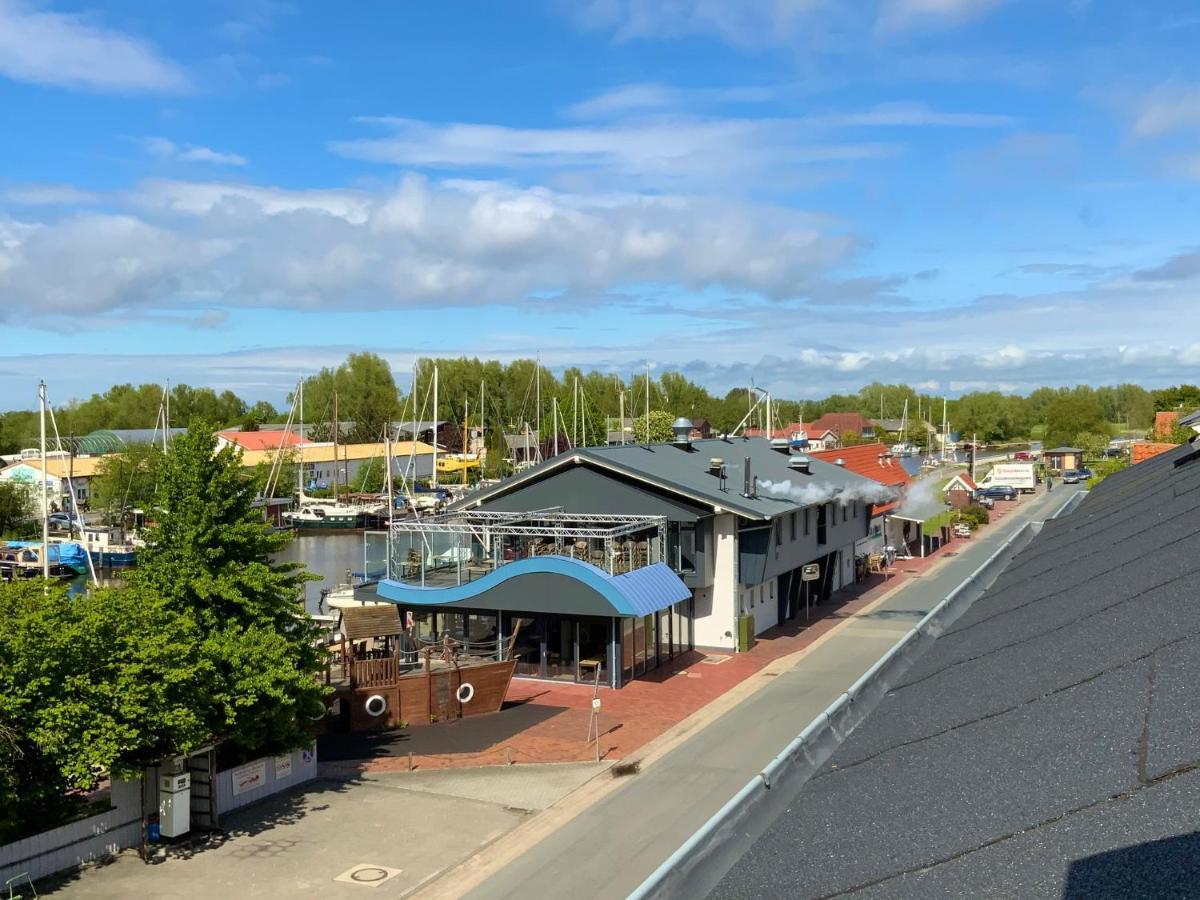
747	479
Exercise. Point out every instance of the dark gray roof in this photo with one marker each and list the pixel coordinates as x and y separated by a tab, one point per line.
1191	420
1064	450
1046	745
686	472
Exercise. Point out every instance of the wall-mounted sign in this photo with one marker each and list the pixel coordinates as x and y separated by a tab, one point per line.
811	572
250	776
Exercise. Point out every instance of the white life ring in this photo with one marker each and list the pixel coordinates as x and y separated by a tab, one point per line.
320	715
465	692
376	705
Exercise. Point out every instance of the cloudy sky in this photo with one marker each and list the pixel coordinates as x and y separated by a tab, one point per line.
810	193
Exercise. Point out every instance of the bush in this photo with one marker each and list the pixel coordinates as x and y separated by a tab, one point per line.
974	516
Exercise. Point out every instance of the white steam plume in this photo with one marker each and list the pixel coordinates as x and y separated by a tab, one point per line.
809	494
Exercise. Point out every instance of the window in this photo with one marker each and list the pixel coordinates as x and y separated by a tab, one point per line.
854	508
793	526
806	522
778	533
822	521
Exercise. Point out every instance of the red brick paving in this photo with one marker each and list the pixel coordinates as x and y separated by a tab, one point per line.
650	705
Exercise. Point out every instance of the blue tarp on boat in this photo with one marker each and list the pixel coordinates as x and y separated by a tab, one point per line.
67	553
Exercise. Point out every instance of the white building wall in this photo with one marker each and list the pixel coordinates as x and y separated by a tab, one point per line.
761	601
715	622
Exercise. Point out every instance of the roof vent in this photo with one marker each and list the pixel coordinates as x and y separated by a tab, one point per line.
781	445
681	428
800	464
716	466
750	483
839	462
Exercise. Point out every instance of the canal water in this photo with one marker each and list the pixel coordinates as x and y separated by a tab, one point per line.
329	556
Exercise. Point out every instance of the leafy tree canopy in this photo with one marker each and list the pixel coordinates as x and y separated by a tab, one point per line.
209	557
660	427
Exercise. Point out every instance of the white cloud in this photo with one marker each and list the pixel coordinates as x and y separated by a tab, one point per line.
70	51
1166	109
1007	357
167	149
897	16
672	149
420	244
744	23
914	115
48	195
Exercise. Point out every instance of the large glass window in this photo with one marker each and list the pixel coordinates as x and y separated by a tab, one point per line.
681	546
560	648
593	649
527	649
628	650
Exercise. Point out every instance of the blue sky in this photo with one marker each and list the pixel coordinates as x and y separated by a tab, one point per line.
810	193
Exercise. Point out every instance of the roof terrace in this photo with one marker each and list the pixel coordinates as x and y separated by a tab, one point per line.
459	547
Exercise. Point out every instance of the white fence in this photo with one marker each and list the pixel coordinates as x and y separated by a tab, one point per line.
263	777
71	845
695	868
96	837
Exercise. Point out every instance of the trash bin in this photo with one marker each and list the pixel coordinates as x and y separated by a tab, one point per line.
153	834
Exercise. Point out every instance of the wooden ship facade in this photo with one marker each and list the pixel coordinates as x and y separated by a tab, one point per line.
386	676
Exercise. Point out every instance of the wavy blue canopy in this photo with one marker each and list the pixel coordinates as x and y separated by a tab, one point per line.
552	584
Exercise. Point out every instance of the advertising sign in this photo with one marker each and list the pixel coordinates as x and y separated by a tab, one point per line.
283	766
250	776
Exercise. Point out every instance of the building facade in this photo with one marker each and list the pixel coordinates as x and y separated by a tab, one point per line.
734	522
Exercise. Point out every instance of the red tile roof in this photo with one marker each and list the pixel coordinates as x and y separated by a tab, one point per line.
964	479
841	423
864	460
1143	450
262	440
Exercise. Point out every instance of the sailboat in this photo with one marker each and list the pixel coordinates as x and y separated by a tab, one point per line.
904	448
316	512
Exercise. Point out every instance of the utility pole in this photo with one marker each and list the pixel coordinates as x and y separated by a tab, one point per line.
45	487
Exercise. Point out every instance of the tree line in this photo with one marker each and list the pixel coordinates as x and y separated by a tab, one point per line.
584	404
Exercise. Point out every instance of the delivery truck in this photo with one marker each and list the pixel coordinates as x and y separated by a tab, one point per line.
1021	476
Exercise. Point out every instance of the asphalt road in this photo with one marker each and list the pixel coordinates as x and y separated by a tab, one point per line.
609	849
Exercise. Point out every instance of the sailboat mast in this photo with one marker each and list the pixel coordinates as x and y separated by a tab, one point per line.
621	420
647	403
435	421
336	464
465	438
554	416
300	468
45	485
391	496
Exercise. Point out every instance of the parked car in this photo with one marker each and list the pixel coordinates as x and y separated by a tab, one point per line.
60	521
998	492
1070	477
1084	474
1022	456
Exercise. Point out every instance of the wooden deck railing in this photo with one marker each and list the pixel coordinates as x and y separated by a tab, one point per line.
372	673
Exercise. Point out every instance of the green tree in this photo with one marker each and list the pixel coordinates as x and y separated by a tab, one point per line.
367	399
209	557
102	683
127	480
16	507
850	439
660	427
1071	414
1179	434
1092	443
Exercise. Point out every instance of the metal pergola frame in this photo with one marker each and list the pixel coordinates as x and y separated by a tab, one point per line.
491	529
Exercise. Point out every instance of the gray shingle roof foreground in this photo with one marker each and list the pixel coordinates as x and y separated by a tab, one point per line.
1047	745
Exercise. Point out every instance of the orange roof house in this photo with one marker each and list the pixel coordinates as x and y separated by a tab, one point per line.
260	440
872	461
1143	450
1164	421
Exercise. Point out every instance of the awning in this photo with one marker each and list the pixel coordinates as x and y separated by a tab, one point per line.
551	584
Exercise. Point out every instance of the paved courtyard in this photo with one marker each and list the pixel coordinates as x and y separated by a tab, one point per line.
333	838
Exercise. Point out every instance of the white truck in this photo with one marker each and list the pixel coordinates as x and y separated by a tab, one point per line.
1020	476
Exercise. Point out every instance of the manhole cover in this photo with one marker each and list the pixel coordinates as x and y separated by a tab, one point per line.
716	660
367	875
